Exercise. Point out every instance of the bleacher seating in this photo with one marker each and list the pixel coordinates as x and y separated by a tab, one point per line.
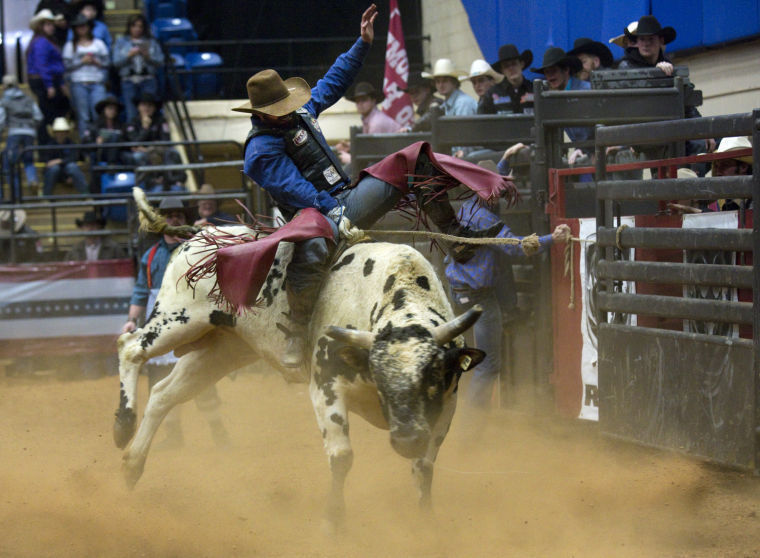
203	84
119	183
165	9
168	30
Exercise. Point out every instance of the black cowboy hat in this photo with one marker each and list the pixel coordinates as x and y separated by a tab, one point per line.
648	25
89	218
366	89
585	45
510	52
147	97
110	100
555	56
81	19
173	203
417	81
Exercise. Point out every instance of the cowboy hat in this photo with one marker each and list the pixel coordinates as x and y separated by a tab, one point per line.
110	100
19	218
648	25
173	203
585	45
416	81
629	31
555	56
89	218
9	80
44	15
510	52
483	68
733	144
60	124
81	19
206	189
147	97
269	94
365	89
444	67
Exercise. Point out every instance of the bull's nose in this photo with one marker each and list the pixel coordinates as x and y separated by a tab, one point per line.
411	446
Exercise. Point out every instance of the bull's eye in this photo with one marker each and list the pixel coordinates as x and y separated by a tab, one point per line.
431	391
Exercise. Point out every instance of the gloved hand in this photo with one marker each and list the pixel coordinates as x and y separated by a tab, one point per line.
345	229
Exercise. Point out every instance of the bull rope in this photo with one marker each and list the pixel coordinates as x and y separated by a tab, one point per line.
529	244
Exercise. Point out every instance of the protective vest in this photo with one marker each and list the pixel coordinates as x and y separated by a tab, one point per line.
317	163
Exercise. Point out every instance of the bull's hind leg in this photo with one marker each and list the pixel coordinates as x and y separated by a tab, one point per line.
212	358
165	331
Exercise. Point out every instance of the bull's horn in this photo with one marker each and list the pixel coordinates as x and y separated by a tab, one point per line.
448	331
355	337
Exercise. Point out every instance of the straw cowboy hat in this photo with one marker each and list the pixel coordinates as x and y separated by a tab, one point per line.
366	89
19	219
60	124
585	45
620	40
444	67
269	94
510	52
555	56
483	68
44	15
648	25
734	143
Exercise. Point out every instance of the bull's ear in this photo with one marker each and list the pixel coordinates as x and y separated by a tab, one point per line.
354	356
467	358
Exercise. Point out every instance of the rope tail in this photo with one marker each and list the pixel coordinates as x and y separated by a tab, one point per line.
152	221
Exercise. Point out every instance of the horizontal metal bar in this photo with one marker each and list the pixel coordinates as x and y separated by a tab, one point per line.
483	129
190	166
735	276
665	132
283	41
676	188
605	93
733	240
664	333
68	234
677	307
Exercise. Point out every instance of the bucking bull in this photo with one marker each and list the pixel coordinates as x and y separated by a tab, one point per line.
386	346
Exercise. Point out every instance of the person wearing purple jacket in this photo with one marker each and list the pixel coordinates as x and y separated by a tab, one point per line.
45	70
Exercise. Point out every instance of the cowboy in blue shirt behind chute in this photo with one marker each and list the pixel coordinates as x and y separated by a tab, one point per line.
287	155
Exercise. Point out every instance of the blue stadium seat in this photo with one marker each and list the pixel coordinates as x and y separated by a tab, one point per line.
165	9
167	30
184	79
205	84
118	183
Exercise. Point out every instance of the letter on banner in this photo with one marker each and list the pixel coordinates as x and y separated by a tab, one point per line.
397	104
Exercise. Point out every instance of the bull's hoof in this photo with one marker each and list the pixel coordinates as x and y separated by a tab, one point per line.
132	471
124	427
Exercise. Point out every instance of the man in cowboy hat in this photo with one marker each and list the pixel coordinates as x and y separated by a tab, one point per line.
592	54
447	81
515	95
287	155
153	265
736	166
374	121
208	210
61	163
147	126
93	248
483	77
650	39
422	92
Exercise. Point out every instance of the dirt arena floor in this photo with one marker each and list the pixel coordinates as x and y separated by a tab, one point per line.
518	486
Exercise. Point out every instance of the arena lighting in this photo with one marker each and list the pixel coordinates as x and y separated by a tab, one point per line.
121	176
205	56
176	21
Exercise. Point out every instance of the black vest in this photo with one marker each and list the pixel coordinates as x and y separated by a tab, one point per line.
317	164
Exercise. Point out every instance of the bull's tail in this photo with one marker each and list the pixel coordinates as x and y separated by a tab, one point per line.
152	221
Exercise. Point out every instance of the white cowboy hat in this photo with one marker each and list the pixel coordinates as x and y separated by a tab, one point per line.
620	39
483	68
444	67
734	143
19	218
60	124
44	15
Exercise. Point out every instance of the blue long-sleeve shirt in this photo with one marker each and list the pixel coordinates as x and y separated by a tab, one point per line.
44	59
271	168
578	133
480	271
158	266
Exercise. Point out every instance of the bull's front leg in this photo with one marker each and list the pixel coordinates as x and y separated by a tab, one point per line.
130	363
332	419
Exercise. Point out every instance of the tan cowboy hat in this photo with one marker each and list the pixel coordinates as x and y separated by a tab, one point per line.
621	39
60	124
734	143
19	218
269	94
483	68
44	15
206	189
444	67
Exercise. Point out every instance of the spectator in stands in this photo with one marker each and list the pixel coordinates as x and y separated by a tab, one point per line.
374	121
483	77
560	69
627	39
515	95
422	90
45	69
21	115
483	275
89	9
148	125
94	248
153	265
208	210
86	59
107	128
161	180
739	166
138	57
62	11
61	163
24	249
456	102
593	55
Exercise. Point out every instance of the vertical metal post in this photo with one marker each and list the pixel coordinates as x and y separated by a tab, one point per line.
756	281
603	218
